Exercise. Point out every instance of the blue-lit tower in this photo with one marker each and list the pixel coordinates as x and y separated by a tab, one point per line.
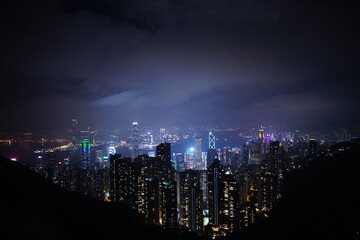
211	141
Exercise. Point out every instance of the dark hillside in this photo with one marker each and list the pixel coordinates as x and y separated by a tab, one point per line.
35	208
320	202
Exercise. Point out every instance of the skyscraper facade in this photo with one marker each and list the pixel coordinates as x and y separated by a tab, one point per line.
135	140
245	154
190	203
198	154
254	152
215	175
163	154
162	135
85	154
212	141
167	186
211	156
121	179
190	158
229	202
179	161
75	138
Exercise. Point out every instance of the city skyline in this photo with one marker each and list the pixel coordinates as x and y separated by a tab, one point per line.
179	119
212	194
191	144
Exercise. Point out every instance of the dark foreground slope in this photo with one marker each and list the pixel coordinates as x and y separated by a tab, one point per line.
33	208
320	202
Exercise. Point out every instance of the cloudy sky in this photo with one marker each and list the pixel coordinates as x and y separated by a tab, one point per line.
166	62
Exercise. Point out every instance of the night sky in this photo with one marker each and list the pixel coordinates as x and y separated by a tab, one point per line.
178	62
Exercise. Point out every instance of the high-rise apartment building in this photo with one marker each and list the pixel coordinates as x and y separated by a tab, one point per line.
190	200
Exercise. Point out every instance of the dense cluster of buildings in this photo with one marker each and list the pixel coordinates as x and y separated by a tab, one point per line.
211	193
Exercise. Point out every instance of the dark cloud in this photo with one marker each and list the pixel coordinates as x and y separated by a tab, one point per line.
175	62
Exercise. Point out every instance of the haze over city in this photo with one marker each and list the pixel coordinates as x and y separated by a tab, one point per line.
109	63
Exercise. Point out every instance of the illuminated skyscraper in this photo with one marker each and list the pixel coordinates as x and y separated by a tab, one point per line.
211	141
84	179
272	176
114	177
255	153
167	186
163	153
168	210
261	133
190	204
75	132
162	135
203	161
135	140
245	153
111	150
268	194
190	158
275	168
215	177
249	188
151	200
211	156
229	203
40	163
147	185
149	139
64	176
274	165
198	154
227	156
140	185
122	180
85	154
180	161
223	195
99	156
101	185
147	188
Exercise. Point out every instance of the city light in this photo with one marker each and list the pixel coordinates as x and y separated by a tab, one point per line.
227	187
